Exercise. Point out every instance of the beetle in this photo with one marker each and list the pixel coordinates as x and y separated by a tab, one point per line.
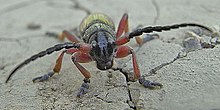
102	44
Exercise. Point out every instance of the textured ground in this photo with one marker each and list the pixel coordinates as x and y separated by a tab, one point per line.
189	83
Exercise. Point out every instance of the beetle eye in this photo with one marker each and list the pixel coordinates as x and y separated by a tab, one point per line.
97	50
110	48
94	43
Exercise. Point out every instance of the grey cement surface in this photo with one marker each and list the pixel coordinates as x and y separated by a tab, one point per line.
189	83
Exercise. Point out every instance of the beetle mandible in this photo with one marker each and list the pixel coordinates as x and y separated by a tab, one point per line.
102	44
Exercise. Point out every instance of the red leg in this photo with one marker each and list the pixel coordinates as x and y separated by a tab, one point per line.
122	40
139	39
123	26
59	60
57	66
81	54
145	38
124	51
69	36
80	57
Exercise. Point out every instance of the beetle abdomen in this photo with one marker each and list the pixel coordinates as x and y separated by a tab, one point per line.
93	23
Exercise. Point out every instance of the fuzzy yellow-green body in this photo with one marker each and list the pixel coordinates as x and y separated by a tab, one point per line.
93	23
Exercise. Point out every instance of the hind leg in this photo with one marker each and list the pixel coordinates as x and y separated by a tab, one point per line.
124	27
63	35
145	38
69	36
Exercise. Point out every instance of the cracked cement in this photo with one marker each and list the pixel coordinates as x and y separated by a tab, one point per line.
157	8
189	83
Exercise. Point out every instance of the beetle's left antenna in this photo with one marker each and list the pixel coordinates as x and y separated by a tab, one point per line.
150	29
48	51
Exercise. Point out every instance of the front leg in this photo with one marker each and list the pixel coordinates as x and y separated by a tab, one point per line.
80	57
124	51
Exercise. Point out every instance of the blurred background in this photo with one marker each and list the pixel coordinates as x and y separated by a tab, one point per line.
191	83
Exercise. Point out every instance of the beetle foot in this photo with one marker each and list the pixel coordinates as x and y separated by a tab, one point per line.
44	77
84	88
149	84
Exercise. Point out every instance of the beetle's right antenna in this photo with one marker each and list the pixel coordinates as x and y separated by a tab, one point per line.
48	51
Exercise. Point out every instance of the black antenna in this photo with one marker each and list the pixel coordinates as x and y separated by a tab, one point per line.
150	29
48	51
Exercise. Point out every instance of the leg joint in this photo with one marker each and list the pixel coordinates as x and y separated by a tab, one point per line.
73	59
86	80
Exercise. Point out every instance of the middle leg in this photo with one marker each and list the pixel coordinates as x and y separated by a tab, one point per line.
57	66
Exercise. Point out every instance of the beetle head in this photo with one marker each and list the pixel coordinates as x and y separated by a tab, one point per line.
103	50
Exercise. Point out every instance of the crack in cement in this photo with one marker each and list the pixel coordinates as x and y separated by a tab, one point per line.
156	18
131	102
208	9
74	31
2	67
183	53
78	6
103	99
155	69
133	105
180	55
17	6
18	40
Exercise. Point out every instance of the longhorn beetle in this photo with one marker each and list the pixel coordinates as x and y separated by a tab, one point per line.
102	45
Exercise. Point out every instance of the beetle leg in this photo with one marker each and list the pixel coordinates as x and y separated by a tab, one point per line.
145	38
123	25
44	77
81	57
83	49
48	51
141	39
69	36
124	51
149	84
84	88
57	66
122	40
